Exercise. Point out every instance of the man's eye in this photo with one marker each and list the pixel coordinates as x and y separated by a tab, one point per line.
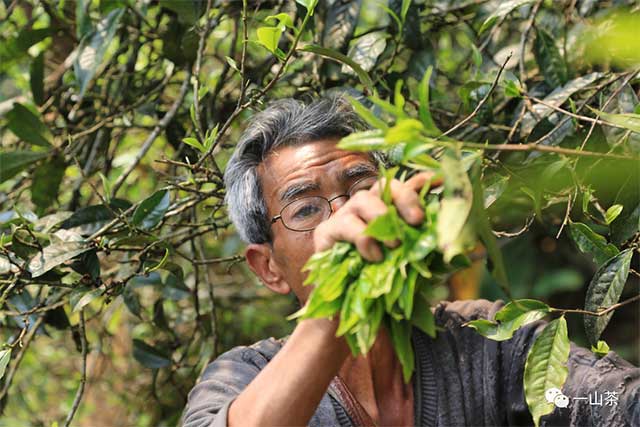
306	211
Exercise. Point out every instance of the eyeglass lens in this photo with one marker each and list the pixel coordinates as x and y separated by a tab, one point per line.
307	212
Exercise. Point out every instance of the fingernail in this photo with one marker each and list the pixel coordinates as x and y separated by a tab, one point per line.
417	214
376	254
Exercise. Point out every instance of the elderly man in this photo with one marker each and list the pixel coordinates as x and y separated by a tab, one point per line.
291	192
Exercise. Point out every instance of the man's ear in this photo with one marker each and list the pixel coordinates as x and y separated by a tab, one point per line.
261	261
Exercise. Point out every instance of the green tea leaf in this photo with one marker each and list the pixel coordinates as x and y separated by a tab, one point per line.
195	144
13	162
504	8
546	367
151	211
548	57
604	291
455	206
5	358
57	253
601	349
28	126
150	356
385	227
309	5
510	318
424	110
269	37
93	48
628	121
36	79
591	243
612	213
46	182
422	316
368	140
401	338
343	59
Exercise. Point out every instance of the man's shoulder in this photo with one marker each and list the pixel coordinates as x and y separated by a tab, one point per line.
257	354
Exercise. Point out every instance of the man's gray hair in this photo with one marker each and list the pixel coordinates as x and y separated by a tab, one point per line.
283	123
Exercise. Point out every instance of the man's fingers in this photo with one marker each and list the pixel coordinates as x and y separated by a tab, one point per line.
367	206
407	202
418	181
348	228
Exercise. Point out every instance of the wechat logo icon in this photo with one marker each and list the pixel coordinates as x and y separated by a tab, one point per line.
555	396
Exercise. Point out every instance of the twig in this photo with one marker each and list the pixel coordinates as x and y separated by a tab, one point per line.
600	312
83	379
257	96
566	215
196	72
233	258
542	148
481	103
517	233
25	345
613	95
569	113
162	124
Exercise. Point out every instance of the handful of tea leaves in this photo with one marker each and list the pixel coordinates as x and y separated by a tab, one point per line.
395	291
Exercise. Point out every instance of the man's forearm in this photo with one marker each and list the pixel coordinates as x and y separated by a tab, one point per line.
288	390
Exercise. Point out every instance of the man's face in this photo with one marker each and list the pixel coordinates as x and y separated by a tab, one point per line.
313	169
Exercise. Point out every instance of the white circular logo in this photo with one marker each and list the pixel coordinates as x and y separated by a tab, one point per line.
551	394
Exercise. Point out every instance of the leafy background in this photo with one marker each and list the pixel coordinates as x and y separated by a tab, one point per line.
120	277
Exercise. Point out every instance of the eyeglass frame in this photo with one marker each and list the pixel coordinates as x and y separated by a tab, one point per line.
279	216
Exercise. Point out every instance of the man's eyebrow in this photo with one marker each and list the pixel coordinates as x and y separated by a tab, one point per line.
357	171
296	190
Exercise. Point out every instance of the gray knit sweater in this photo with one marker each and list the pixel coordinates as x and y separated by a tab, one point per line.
461	379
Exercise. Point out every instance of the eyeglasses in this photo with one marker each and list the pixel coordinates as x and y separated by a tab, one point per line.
306	213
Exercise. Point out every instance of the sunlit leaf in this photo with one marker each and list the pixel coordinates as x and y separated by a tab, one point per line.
510	318
308	4
340	23
424	110
56	254
269	37
503	8
455	205
546	367
366	50
5	357
555	99
601	349
612	213
92	49
343	59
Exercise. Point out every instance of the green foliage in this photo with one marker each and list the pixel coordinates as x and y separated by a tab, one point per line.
604	291
546	367
510	318
368	295
117	119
